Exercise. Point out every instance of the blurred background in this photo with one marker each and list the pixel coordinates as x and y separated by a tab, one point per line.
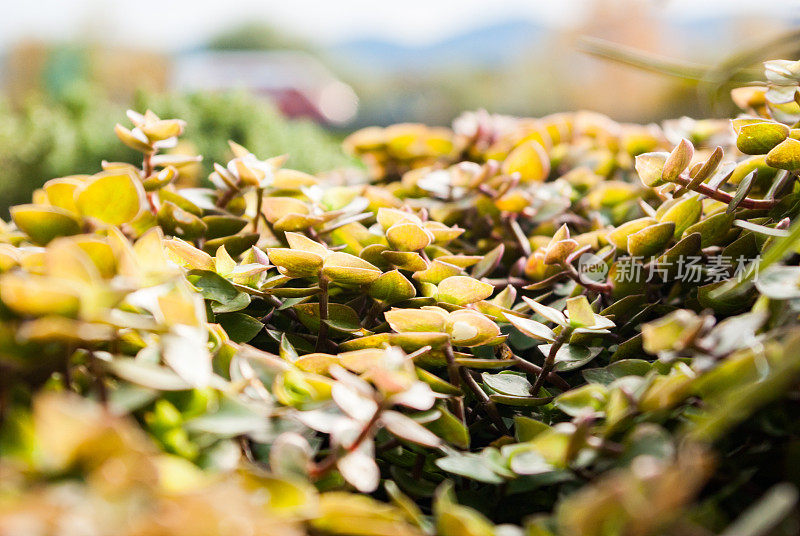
296	77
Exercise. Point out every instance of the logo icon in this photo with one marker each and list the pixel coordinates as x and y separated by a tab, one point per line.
592	267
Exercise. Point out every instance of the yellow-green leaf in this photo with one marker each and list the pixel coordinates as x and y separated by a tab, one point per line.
42	223
759	138
111	197
530	160
463	290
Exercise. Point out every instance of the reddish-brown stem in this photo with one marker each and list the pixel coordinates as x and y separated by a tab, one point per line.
147	170
259	203
725	197
68	370
147	164
98	371
372	314
456	404
531	368
550	360
322	335
487	403
225	198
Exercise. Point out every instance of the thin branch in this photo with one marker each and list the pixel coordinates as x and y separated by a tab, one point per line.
97	368
147	164
259	203
531	368
550	360
487	403
725	197
456	404
322	336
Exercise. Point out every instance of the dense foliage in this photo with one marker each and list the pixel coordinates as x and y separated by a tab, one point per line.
69	135
555	326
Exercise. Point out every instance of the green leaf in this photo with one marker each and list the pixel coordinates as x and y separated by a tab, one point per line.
392	287
232	418
588	398
531	328
529	461
42	223
216	288
741	192
234	245
651	240
178	222
295	263
35	295
340	317
580	312
468	465
678	160
671	332
683	213
527	428
619	236
408	237
405	260
347	269
436	272
650	167
760	229
147	374
506	383
61	192
430	320
449	428
712	229
488	263
617	369
239	326
222	226
550	313
571	356
180	201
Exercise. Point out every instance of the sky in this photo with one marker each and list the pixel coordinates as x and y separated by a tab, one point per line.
176	24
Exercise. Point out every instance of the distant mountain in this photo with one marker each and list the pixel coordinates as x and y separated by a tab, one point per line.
485	46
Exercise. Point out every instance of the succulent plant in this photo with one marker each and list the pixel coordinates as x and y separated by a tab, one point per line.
554	326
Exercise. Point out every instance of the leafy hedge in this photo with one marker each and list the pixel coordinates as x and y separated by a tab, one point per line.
555	326
47	139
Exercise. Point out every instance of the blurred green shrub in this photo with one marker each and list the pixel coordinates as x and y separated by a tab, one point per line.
44	139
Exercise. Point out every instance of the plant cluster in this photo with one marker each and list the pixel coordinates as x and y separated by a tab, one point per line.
514	326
